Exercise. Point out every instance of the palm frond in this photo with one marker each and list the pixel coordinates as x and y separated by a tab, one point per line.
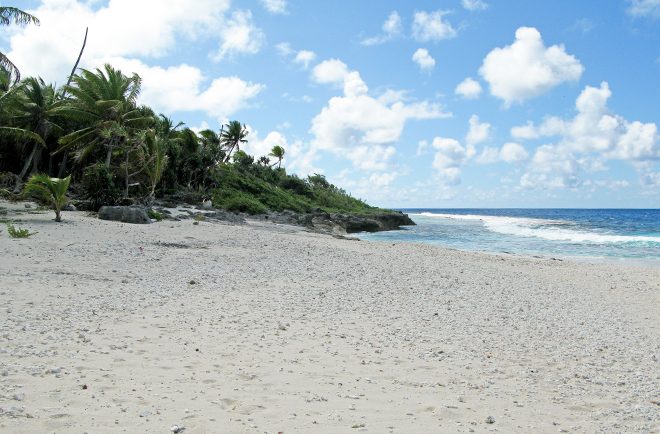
10	15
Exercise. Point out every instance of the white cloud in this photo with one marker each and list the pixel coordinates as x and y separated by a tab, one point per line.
468	89
593	136
258	147
304	58
332	71
449	158
595	129
431	26
181	89
644	8
509	153
524	132
422	58
422	148
527	68
382	179
358	126
474	5
275	6
552	167
240	36
478	132
392	28
513	152
284	49
49	50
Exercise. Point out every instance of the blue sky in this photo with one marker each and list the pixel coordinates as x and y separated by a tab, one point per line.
461	103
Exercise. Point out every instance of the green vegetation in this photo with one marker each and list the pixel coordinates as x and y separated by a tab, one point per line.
93	134
16	232
49	190
154	215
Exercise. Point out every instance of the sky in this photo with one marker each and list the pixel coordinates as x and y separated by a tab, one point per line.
425	103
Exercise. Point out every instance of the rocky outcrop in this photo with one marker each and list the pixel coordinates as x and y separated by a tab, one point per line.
321	221
124	214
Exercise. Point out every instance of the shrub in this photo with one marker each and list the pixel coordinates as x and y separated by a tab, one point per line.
100	187
153	214
295	184
246	204
16	232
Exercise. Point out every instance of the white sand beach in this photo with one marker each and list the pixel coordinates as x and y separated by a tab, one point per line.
108	327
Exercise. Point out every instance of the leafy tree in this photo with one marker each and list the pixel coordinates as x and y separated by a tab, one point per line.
277	152
8	16
51	190
232	137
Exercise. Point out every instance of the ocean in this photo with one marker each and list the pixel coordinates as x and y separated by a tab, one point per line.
631	235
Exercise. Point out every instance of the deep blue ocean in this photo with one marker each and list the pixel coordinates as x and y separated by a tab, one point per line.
597	234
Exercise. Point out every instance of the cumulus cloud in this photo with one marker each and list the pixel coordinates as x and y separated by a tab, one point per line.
304	58
509	153
449	158
391	28
594	135
478	132
240	36
50	49
474	5
552	167
595	129
182	89
431	27
527	68
468	89
359	126
423	59
644	8
275	6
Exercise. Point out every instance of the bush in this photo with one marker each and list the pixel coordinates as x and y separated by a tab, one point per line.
296	185
100	187
155	215
246	204
16	232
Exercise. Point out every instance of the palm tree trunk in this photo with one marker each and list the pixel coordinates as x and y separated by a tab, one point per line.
126	192
60	173
108	156
26	166
35	161
58	215
279	164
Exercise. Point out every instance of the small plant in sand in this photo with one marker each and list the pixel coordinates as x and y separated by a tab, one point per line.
155	215
16	232
50	190
199	217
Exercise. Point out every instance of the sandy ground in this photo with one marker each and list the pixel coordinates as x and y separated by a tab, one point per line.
108	327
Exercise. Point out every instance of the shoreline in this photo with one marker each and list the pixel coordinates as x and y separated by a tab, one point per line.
267	328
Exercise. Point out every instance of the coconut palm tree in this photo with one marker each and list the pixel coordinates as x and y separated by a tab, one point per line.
51	190
277	152
103	102
152	156
34	113
233	134
8	16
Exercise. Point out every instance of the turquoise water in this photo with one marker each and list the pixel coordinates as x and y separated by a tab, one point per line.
630	234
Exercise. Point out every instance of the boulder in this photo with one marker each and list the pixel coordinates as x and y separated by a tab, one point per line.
124	214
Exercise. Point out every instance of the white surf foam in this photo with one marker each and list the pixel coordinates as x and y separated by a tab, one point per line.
553	230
